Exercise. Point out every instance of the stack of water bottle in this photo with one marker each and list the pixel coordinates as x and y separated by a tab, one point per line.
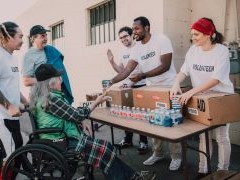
159	116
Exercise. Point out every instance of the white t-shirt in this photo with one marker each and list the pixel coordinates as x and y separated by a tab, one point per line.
148	57
9	81
124	58
202	65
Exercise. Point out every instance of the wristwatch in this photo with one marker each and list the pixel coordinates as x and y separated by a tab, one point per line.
110	83
143	76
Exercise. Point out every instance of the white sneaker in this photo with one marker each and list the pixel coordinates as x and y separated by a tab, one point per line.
152	160
175	164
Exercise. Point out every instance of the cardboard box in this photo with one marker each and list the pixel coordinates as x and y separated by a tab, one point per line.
121	96
213	108
153	96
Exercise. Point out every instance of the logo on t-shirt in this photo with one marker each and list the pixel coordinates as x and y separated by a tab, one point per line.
14	69
126	56
198	67
148	55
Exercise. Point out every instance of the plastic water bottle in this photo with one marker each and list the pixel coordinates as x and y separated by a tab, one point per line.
133	112
173	116
179	116
137	114
151	121
124	112
161	116
112	109
119	112
167	120
128	112
157	119
147	115
143	114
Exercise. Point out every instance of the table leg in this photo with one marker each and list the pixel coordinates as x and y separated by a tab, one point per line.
208	152
184	159
116	145
112	135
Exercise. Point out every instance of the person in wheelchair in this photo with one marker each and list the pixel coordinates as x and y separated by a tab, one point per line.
51	110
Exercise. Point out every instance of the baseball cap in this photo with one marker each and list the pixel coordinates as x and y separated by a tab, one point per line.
47	71
38	29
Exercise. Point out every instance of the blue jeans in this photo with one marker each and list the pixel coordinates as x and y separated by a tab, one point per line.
119	171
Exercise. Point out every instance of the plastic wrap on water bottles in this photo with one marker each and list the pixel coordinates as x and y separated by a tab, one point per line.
157	119
167	120
175	102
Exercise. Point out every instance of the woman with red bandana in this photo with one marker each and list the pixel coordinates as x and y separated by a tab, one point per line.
207	63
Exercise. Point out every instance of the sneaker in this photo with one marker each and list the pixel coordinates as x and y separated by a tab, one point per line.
175	164
145	175
143	148
125	144
152	160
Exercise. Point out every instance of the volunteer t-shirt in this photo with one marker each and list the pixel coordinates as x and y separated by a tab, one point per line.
148	57
124	58
9	81
202	65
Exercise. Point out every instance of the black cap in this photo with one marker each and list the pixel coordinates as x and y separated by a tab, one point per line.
38	29
47	71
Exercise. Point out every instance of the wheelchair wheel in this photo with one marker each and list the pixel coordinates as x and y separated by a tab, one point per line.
39	162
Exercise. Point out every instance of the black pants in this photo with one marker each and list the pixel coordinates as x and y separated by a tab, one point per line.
14	128
129	135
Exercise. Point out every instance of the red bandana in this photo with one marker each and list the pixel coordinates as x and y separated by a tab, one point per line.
205	26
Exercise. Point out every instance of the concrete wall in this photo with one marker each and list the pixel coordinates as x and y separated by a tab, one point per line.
88	65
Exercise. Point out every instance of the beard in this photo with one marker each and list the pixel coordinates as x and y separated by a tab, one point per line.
138	38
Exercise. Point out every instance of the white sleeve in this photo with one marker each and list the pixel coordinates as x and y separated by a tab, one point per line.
222	67
165	45
185	67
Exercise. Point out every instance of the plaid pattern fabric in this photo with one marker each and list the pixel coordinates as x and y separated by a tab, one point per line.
60	108
99	153
96	152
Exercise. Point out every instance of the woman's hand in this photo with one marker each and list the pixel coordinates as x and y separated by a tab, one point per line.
175	90
183	99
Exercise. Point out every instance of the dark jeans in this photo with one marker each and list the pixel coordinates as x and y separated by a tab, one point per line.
129	135
119	171
14	128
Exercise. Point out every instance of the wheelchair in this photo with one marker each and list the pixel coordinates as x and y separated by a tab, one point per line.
43	159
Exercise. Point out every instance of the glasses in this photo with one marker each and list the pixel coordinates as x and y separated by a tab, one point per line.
123	37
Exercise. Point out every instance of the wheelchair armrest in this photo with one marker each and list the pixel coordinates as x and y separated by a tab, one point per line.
47	131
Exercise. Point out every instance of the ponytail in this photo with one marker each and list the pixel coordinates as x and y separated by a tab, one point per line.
217	37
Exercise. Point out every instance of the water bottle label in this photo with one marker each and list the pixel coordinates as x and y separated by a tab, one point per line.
161	104
193	111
